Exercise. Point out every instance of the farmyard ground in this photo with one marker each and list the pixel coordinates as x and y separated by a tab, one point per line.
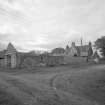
65	85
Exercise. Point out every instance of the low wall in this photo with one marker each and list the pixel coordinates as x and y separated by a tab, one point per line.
74	60
54	60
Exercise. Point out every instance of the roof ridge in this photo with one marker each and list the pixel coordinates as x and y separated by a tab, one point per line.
10	49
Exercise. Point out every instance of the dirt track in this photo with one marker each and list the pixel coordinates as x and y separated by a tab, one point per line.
61	86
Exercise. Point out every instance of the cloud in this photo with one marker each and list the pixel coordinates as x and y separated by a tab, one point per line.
45	24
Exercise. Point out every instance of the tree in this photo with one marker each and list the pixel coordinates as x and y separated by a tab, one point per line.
100	44
58	51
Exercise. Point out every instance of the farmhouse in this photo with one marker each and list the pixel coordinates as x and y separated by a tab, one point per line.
74	50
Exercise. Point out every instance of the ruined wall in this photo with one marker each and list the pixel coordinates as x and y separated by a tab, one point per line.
20	60
54	60
28	61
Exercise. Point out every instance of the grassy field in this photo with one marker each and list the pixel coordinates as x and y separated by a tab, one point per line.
65	85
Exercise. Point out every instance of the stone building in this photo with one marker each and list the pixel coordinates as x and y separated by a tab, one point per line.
72	51
21	59
2	54
11	58
78	50
8	57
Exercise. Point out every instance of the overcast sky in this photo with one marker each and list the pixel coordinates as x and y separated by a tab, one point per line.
45	24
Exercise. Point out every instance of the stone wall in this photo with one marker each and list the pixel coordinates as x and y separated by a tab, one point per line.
74	60
54	60
25	60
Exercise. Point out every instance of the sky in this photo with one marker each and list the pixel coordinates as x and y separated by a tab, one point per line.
46	24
